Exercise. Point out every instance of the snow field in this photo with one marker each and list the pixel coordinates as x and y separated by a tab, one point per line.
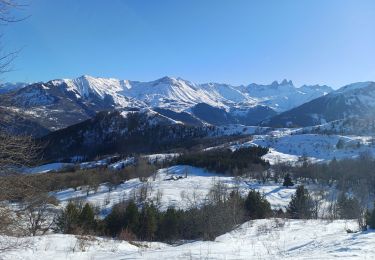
258	239
180	192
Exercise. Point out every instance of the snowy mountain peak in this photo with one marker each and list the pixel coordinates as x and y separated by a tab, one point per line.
8	87
167	79
323	88
273	84
356	87
356	100
282	83
284	96
286	82
179	95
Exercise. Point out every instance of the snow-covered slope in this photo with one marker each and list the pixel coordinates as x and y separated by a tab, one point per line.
259	239
284	96
354	100
62	102
348	126
178	192
167	92
290	146
86	87
50	167
179	94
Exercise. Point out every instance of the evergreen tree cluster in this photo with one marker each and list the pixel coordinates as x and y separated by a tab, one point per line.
356	174
226	161
110	132
77	219
147	222
257	207
370	218
288	181
301	205
348	208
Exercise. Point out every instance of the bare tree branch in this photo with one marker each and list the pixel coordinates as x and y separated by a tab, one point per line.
6	8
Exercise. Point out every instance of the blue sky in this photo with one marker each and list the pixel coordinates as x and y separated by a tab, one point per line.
239	42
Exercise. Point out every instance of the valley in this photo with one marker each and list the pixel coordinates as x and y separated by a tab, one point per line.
187	130
194	150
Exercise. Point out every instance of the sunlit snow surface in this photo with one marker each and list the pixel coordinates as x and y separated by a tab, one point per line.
179	193
179	94
260	239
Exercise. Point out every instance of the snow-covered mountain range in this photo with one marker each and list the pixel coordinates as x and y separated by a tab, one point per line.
63	102
8	87
178	94
351	101
284	96
59	103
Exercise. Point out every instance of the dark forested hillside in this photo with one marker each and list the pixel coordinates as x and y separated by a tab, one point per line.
226	161
112	132
354	100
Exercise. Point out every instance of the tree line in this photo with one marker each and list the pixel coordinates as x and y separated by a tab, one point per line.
226	161
221	213
131	221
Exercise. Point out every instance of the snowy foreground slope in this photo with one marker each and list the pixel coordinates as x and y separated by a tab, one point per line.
260	239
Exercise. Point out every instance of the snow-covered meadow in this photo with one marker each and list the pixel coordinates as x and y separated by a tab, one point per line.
259	239
316	146
184	187
290	145
174	190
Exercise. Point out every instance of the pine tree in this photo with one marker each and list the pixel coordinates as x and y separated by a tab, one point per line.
348	208
115	220
340	144
169	225
131	217
256	205
68	220
236	206
87	218
301	206
371	219
288	181
148	222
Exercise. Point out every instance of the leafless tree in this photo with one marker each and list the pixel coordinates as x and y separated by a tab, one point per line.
143	192
144	169
158	198
15	151
218	193
192	199
30	216
186	172
6	17
38	214
6	220
6	11
317	200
